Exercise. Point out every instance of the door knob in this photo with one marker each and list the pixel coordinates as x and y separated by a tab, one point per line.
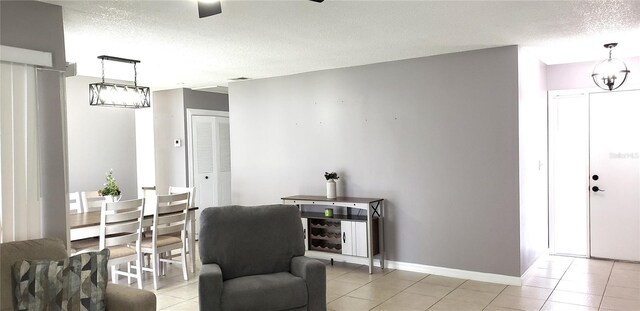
206	177
596	189
595	177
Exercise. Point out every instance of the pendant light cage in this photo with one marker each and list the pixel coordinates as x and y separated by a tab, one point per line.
119	95
610	73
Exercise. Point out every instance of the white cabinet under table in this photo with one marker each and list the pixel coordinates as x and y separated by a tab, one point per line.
354	238
359	236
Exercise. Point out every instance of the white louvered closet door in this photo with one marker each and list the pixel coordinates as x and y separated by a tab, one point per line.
20	216
212	160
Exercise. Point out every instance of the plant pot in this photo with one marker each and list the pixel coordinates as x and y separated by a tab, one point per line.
112	198
331	189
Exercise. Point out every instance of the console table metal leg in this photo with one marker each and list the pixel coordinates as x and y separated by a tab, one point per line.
369	239
381	236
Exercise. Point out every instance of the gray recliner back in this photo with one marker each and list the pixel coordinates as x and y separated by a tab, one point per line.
250	240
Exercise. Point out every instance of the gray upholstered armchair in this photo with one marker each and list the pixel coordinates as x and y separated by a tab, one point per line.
253	259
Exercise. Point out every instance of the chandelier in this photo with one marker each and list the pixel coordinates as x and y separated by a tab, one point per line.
611	73
119	95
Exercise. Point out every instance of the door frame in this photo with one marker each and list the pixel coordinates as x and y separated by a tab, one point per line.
191	113
571	92
550	165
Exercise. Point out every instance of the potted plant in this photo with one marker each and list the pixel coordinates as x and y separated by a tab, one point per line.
331	184
111	192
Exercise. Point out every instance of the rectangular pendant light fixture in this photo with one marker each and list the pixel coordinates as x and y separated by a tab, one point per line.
119	95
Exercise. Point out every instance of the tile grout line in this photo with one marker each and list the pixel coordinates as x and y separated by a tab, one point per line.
559	280
346	294
447	294
552	289
496	297
398	293
606	284
171	305
363	285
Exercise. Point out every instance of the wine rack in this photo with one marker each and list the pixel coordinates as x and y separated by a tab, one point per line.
324	235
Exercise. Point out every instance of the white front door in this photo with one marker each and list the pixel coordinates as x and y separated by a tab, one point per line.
615	175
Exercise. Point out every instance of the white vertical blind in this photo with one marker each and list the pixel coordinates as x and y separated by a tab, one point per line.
20	216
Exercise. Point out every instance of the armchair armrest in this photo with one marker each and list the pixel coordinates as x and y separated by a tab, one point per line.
314	273
128	298
210	287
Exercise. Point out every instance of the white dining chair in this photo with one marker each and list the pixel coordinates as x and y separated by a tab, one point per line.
75	204
192	198
84	245
190	190
121	233
170	217
91	201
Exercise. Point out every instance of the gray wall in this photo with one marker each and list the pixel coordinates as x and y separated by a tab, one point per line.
38	26
168	119
205	100
33	25
170	122
437	137
99	139
578	75
532	110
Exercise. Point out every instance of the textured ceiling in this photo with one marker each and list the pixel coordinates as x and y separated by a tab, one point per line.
260	39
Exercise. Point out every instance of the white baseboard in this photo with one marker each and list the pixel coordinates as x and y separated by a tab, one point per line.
413	267
453	273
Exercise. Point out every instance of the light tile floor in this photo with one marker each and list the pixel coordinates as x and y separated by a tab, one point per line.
553	283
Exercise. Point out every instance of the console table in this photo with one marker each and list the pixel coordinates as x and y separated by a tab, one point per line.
348	224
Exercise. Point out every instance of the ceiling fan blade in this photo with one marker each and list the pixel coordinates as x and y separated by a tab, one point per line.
319	1
209	8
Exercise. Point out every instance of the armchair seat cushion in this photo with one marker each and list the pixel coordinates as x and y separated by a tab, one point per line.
276	291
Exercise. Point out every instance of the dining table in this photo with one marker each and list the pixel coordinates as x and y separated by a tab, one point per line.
87	225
